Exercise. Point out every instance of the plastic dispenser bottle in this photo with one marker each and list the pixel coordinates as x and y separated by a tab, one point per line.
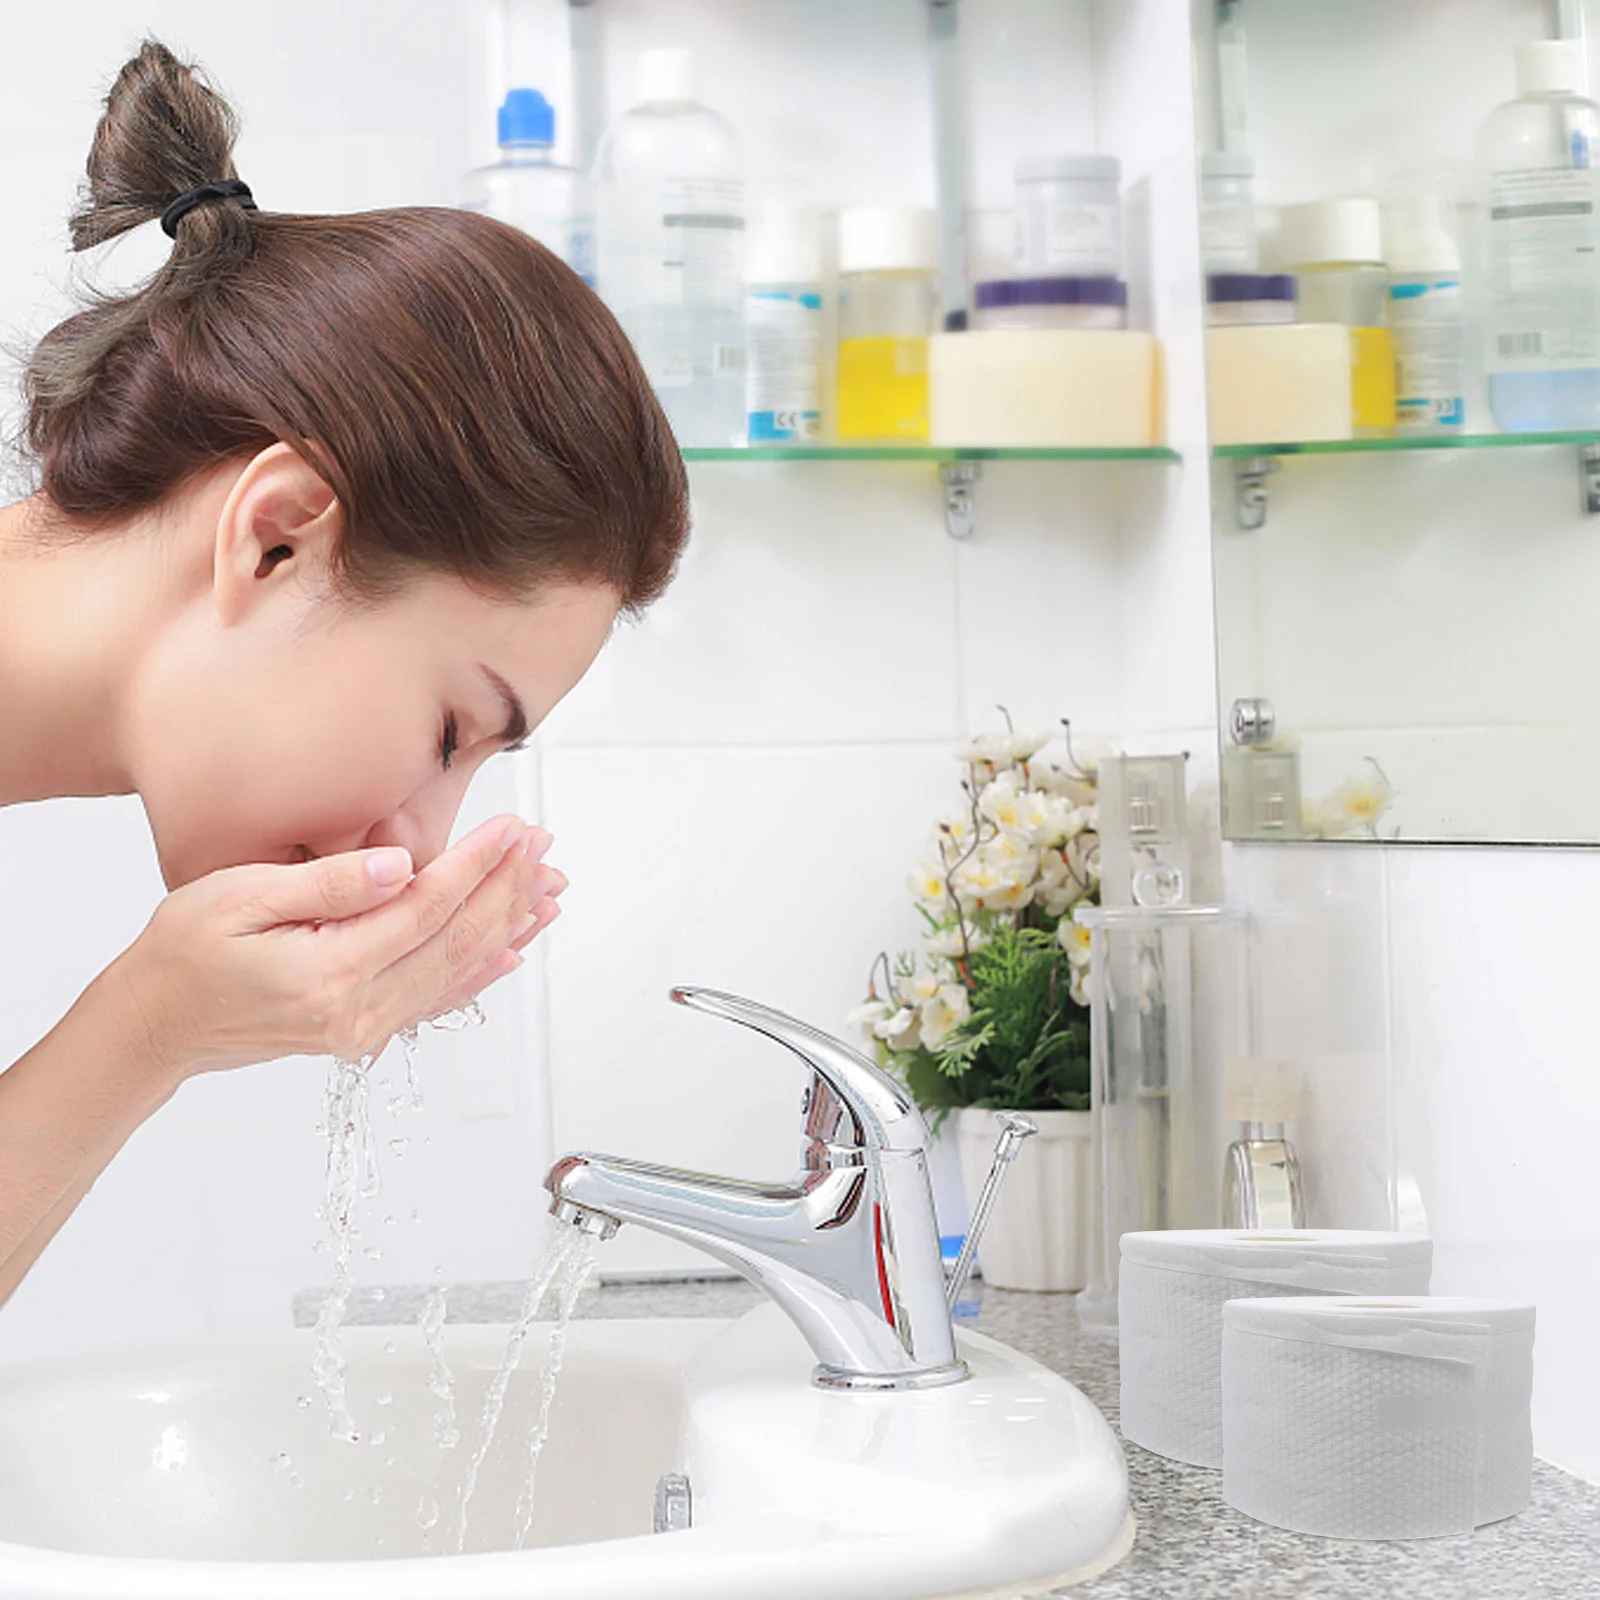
1337	249
783	328
1543	246
888	305
1261	1177
670	259
1425	316
529	189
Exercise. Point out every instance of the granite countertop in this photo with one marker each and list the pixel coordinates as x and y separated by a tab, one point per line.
1190	1546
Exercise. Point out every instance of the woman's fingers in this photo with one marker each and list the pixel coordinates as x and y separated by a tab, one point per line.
502	966
480	929
330	889
434	900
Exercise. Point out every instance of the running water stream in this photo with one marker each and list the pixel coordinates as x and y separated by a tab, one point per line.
353	1176
566	1267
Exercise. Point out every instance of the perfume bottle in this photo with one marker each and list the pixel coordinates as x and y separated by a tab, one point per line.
1261	1173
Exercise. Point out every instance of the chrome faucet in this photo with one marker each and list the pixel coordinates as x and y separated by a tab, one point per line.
849	1247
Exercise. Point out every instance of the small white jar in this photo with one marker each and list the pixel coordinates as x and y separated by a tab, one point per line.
1069	216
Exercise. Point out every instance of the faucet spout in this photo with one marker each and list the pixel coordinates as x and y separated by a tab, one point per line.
849	1247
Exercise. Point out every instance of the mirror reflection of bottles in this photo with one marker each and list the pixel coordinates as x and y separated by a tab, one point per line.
1424	316
670	248
1336	247
529	188
1543	351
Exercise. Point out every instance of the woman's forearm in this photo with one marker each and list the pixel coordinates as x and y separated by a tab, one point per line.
66	1108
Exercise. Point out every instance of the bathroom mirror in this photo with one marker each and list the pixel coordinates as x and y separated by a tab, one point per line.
1403	373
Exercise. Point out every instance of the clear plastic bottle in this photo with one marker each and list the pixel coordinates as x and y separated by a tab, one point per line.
1543	227
670	257
1337	250
888	305
528	188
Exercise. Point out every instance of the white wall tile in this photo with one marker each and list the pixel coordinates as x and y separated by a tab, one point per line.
816	603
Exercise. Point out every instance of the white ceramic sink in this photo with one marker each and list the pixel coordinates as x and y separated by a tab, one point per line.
194	1471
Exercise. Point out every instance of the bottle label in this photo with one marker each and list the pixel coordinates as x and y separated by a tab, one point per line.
702	237
1227	236
1425	319
783	328
1544	270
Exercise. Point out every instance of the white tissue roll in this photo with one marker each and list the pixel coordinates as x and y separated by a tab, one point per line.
1396	1418
1172	1287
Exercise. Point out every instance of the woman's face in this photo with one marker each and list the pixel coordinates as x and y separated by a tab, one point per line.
289	724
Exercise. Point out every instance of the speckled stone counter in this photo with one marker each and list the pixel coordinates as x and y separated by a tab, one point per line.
1190	1546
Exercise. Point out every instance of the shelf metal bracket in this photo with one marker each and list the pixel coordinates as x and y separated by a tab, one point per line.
1250	474
959	479
1589	477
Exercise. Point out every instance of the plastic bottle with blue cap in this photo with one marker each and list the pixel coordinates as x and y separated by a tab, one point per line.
528	188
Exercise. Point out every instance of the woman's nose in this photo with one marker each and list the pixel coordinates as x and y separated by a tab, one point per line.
422	825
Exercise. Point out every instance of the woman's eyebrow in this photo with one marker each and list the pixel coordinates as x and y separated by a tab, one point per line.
517	726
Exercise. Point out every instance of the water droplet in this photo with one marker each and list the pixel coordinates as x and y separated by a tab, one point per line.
373	1252
438	1272
349	1491
296	1481
390	1220
321	1246
281	1460
375	1492
386	1397
399	1144
427	1512
378	1294
416	1213
389	1347
302	1401
380	1436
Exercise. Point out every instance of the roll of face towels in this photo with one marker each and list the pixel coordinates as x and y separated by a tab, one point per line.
1171	1290
1394	1417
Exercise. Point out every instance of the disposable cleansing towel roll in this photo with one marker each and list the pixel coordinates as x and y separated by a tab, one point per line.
1171	1289
1396	1418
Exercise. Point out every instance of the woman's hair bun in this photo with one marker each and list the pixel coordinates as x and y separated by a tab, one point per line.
164	131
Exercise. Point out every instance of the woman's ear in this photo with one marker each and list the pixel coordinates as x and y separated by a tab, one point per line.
279	524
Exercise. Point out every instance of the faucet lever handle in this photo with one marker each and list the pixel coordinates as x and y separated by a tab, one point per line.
885	1116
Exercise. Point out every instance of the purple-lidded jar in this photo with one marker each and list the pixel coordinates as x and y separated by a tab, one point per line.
1050	303
1247	299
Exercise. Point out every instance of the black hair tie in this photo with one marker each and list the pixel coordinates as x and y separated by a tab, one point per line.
222	189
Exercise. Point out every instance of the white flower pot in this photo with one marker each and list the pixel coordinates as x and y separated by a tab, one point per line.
1039	1231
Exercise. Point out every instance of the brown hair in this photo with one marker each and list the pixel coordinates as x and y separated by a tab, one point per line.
470	401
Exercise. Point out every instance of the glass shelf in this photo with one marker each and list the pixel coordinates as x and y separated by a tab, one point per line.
1346	447
939	454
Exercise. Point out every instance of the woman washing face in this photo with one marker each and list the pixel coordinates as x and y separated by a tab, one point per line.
330	511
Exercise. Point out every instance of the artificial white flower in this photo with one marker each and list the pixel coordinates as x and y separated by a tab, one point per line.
866	1015
1075	941
1062	820
953	834
947	942
927	885
992	749
1079	987
941	1012
1018	811
982	882
1362	798
1026	743
899	1032
1054	780
922	985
